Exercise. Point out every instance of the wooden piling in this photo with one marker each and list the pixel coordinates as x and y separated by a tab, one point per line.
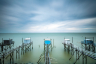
2	47
85	43
32	44
53	42
44	44
3	58
0	61
72	39
22	40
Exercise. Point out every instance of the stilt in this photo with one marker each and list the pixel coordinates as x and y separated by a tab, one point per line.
32	45
2	47
53	42
0	61
72	39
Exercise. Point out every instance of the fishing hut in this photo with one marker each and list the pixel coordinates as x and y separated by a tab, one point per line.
47	46
78	51
66	44
26	45
89	44
6	46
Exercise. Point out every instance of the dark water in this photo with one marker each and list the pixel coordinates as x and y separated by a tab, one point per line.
58	54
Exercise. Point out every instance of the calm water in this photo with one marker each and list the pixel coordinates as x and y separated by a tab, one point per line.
58	54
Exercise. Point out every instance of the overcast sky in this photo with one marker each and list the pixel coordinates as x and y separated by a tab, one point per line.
18	16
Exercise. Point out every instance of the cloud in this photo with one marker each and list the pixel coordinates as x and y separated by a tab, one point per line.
62	26
44	13
43	27
48	16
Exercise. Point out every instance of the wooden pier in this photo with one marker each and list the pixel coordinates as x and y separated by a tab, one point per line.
79	52
45	55
23	48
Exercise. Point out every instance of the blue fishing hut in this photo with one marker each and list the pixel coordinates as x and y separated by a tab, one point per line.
89	44
87	41
47	45
47	41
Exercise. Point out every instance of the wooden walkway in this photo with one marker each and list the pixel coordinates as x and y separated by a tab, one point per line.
45	55
23	48
79	51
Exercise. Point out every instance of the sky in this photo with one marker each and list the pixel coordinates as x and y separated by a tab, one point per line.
47	16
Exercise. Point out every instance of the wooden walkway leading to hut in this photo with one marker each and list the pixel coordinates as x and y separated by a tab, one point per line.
79	52
10	52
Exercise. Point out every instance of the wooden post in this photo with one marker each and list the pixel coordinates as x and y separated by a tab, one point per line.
19	52
32	44
53	42
44	44
76	53
2	45
86	59
2	40
30	39
22	48
0	61
93	39
64	42
9	45
44	49
82	57
85	43
72	39
22	40
16	52
3	58
93	46
25	48
10	58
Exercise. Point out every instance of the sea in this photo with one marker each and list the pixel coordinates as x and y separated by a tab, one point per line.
58	54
